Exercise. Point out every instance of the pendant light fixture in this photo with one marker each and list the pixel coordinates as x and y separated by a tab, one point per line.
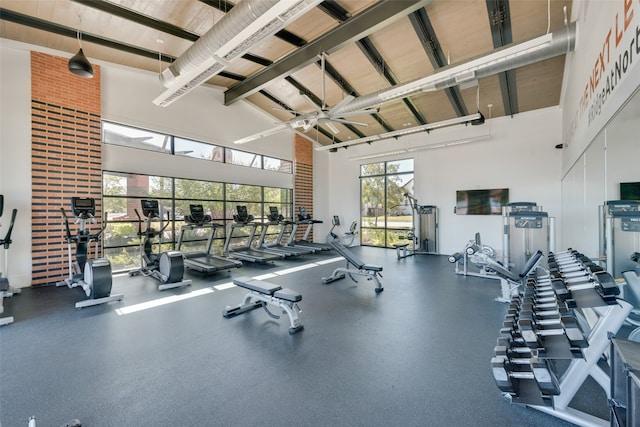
79	64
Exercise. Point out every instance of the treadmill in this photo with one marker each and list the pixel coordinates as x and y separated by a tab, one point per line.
305	218
204	262
274	218
246	252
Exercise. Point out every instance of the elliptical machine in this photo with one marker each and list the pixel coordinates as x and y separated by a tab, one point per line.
6	290
166	267
93	275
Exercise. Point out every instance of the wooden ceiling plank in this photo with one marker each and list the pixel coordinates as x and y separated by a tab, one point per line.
361	25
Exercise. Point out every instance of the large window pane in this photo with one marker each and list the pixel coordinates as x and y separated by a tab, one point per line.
386	214
198	150
243	158
278	165
373	201
372	169
244	192
135	138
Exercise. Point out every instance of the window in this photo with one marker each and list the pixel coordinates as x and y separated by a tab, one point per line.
198	150
135	138
385	213
122	193
128	136
243	158
278	165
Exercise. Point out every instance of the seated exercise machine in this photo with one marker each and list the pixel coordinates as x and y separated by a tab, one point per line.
6	290
165	267
348	237
203	261
242	219
568	312
480	256
371	272
263	294
92	275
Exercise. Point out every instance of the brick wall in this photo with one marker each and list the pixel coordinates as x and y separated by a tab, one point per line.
303	179
66	157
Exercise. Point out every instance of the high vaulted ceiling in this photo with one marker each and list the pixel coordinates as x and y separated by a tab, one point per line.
369	46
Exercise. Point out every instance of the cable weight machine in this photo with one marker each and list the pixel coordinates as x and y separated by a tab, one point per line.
424	231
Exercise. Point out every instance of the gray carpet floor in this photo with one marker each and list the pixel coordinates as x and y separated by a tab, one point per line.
417	354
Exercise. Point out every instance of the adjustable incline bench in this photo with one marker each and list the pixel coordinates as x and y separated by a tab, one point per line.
371	272
511	281
264	294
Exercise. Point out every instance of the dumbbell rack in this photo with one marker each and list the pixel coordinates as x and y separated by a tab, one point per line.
569	314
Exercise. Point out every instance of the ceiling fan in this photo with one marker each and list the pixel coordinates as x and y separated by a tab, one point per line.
321	114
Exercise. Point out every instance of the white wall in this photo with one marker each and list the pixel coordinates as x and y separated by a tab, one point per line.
608	35
15	157
601	123
199	115
126	98
520	155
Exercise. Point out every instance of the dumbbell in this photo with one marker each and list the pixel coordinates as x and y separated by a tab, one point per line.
508	375
533	332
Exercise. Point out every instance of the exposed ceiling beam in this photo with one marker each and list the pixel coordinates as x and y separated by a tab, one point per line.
349	90
131	15
334	10
367	22
226	6
318	101
427	35
165	27
39	24
501	34
378	62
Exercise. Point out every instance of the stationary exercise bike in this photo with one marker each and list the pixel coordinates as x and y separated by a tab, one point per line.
348	237
166	267
92	275
6	290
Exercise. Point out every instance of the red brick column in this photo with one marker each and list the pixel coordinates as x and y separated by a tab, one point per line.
303	179
66	157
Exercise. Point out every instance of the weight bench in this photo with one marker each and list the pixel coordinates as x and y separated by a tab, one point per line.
264	294
371	272
510	281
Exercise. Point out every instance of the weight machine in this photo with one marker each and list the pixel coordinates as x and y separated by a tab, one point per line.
424	230
165	267
6	290
483	257
92	275
620	249
526	230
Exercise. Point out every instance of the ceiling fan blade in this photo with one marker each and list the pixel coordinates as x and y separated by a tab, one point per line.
310	101
336	108
333	127
359	112
349	122
263	134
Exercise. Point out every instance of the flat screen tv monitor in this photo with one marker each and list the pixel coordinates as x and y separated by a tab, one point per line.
481	202
630	191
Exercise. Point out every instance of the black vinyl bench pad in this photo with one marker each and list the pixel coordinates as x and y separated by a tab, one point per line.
263	294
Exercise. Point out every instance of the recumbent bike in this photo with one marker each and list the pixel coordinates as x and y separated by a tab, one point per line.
92	275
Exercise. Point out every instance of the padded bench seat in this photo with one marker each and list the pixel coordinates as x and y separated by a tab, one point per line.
256	285
263	294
